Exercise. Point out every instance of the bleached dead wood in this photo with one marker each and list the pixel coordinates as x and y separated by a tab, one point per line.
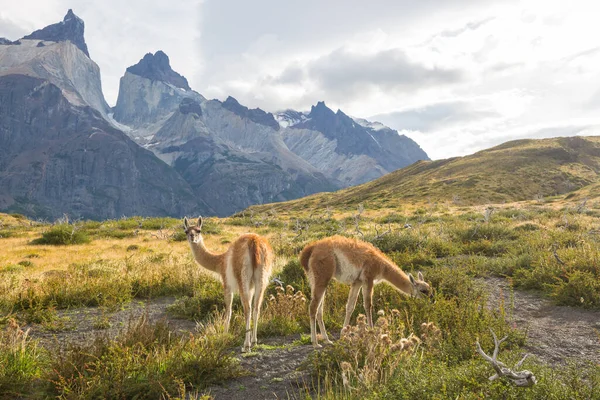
523	378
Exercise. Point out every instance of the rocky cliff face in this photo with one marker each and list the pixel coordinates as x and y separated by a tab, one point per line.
61	63
348	150
149	93
56	157
230	161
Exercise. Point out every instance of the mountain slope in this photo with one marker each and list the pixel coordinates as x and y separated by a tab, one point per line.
59	152
56	157
347	150
514	171
231	156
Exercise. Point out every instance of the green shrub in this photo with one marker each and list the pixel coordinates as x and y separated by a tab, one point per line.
179	236
486	248
491	232
22	362
63	234
26	263
581	289
397	242
147	360
292	274
527	227
208	297
6	233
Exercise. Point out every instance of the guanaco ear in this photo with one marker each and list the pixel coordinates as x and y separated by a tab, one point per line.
200	222
412	279
420	276
186	223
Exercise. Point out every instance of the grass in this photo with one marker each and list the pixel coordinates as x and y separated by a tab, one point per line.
551	249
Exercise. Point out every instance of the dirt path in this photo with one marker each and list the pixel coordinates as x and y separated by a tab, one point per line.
272	369
273	374
84	324
555	334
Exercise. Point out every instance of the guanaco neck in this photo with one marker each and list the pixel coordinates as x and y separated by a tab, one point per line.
397	277
211	261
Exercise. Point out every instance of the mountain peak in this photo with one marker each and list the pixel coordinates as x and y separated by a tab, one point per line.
256	115
157	67
70	28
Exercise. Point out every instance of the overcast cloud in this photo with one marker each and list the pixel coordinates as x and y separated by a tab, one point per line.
455	75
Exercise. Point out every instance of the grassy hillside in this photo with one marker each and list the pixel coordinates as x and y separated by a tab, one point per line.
515	171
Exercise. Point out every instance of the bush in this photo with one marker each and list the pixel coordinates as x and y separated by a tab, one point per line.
208	297
397	242
581	289
491	232
21	361
285	313
293	275
63	234
146	360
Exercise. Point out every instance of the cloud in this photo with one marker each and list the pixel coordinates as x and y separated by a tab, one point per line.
456	75
434	116
343	73
10	29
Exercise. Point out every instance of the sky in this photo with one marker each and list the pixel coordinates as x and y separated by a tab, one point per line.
457	76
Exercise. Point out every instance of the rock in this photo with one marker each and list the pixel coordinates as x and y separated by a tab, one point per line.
60	63
156	67
188	106
348	150
70	28
255	115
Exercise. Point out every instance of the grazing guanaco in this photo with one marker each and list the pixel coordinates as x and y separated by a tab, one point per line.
354	263
245	268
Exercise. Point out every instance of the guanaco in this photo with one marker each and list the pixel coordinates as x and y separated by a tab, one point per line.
355	263
245	268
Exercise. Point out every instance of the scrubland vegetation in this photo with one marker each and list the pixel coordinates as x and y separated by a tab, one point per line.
420	348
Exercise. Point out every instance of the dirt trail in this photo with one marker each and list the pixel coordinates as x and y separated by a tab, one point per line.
273	374
84	322
555	334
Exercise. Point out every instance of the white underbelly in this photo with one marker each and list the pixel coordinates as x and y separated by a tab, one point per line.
346	272
231	283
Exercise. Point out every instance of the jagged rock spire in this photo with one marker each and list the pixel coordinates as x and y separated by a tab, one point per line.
157	67
70	28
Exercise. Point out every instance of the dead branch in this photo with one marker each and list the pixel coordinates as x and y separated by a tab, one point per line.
382	234
523	378
554	247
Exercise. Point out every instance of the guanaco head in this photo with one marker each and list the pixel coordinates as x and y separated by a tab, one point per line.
420	288
193	232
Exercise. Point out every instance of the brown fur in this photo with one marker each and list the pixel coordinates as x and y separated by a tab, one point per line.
305	255
250	280
355	263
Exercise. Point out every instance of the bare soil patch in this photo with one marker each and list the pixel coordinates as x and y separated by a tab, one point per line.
555	334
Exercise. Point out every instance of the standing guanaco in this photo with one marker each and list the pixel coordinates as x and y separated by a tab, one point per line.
245	268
